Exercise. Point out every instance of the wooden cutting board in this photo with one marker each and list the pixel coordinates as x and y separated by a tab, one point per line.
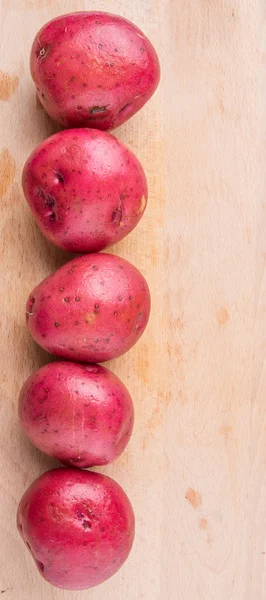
195	468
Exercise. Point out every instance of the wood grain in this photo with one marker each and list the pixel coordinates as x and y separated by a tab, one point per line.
195	468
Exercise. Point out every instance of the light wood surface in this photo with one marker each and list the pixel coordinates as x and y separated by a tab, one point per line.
195	469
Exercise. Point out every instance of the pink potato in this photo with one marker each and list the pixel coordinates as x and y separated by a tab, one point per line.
92	309
78	527
80	414
85	188
93	69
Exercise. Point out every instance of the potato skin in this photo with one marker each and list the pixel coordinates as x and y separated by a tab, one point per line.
82	415
86	190
93	69
78	526
92	309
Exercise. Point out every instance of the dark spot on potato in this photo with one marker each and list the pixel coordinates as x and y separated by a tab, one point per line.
27	544
60	177
130	297
66	299
95	268
84	84
76	322
98	109
72	78
124	107
56	324
79	107
41	53
117	216
96	308
61	289
77	299
120	298
49	201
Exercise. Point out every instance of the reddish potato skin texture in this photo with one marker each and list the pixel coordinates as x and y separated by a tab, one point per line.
93	69
78	526
92	309
86	190
82	415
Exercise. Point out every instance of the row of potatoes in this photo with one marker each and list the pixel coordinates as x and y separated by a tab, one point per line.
86	191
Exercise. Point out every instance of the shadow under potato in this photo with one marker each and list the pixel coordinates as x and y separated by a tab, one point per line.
31	454
44	258
49	257
47	126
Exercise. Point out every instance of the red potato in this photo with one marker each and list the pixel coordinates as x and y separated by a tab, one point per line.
92	309
93	69
82	415
78	527
85	188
